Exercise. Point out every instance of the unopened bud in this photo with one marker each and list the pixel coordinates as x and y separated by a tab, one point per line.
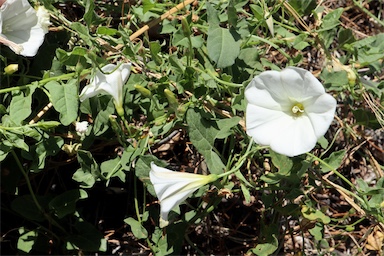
171	98
10	69
185	27
143	91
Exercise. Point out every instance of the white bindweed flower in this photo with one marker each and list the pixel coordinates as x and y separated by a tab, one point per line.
81	127
172	188
109	83
288	110
20	28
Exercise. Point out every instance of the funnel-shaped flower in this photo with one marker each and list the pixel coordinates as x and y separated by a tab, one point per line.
20	27
109	83
288	110
172	188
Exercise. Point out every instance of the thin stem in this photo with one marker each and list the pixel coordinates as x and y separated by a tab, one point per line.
135	199
49	218
43	82
27	181
332	169
368	12
240	162
211	74
271	44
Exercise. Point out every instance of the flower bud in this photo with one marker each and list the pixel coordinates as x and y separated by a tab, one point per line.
10	69
143	91
171	98
185	27
81	127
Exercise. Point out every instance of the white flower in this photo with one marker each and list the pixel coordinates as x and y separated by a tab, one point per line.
172	188
111	83
81	127
288	110
19	27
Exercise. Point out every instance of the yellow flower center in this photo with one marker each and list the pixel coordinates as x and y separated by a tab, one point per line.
297	109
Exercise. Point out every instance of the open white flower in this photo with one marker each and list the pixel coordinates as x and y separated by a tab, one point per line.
20	29
110	83
288	110
172	188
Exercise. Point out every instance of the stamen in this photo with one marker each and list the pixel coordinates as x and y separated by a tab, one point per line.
297	109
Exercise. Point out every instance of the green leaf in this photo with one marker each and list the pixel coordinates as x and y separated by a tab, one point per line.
317	231
282	162
20	107
334	80
300	43
137	229
26	240
313	214
89	171
142	168
106	31
155	49
111	167
225	126
331	20
83	32
101	123
176	64
222	47
323	142
334	160
250	56
26	207
303	7
65	99
213	17
90	16
246	193
14	140
202	135
267	248
88	238
148	5
161	243
65	203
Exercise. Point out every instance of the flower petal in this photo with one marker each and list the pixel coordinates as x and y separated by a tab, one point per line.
296	138
125	69
300	83
270	83
262	123
20	25
109	81
172	188
321	112
257	94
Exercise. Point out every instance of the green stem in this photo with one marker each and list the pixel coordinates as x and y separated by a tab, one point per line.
43	81
135	199
211	74
333	170
271	44
27	181
49	218
368	12
240	162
